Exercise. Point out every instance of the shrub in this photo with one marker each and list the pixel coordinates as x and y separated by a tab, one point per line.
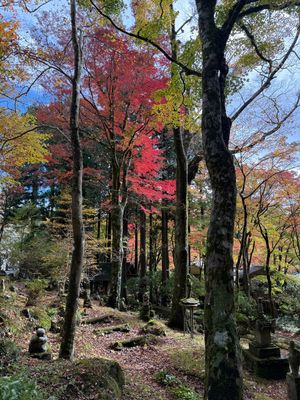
19	387
35	290
9	353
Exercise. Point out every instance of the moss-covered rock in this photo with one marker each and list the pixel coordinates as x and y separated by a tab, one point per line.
154	328
94	378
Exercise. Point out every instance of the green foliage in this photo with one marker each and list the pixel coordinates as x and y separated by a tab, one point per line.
184	393
176	388
166	379
289	306
35	289
9	353
42	316
246	306
20	387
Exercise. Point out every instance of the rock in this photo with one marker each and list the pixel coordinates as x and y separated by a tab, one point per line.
111	329
144	340
154	328
13	288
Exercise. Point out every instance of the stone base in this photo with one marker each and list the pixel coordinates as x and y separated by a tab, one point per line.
267	368
264	352
293	384
42	356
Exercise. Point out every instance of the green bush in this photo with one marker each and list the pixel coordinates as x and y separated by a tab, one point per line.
18	387
9	353
165	378
184	393
35	289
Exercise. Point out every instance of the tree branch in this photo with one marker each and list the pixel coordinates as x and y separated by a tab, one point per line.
185	68
267	82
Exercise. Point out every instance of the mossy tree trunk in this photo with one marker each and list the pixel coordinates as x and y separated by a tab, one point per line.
223	363
181	232
68	337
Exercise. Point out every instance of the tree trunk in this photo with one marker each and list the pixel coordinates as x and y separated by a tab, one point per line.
164	253
222	356
68	337
98	255
136	244
125	245
142	284
108	237
151	256
181	232
117	214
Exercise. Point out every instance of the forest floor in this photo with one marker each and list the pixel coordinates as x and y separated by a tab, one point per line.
176	354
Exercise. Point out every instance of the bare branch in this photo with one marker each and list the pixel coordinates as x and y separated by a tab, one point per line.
271	76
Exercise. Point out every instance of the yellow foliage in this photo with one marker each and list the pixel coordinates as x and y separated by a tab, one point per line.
20	143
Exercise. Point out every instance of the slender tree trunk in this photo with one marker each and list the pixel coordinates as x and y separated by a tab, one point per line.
181	232
108	237
222	350
124	268
164	253
117	215
98	255
68	337
142	284
136	244
151	255
181	250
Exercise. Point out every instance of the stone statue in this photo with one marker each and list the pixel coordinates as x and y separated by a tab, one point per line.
87	302
123	306
39	342
294	358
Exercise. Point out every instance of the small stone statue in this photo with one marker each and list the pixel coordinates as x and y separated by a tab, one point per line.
294	358
146	313
87	302
123	306
39	342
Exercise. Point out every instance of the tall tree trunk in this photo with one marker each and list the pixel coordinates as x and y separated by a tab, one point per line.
117	215
164	253
151	255
181	215
136	244
125	245
181	232
143	284
108	237
98	255
222	350
68	337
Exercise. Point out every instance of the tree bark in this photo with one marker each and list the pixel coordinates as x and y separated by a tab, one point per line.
68	337
164	253
117	214
222	355
142	284
181	232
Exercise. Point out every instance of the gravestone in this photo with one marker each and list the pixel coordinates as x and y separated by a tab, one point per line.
263	357
293	377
